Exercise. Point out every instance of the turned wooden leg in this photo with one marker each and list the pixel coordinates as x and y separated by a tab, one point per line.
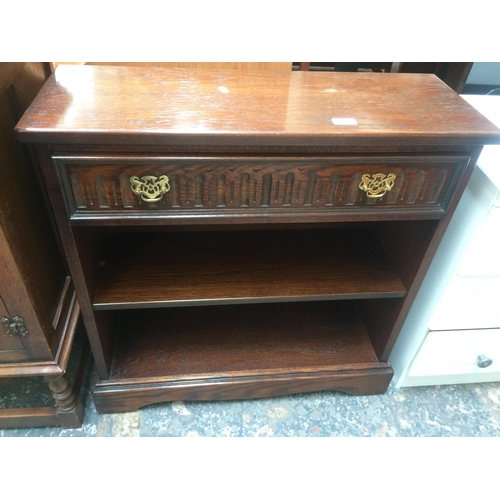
66	402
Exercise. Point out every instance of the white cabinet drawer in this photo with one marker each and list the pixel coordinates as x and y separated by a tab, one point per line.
456	353
468	303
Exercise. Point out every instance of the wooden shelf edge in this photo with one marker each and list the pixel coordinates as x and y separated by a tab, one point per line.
130	395
291	373
245	300
186	218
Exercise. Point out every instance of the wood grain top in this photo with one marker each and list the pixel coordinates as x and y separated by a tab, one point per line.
154	106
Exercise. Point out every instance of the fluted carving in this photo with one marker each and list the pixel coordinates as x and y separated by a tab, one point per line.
266	186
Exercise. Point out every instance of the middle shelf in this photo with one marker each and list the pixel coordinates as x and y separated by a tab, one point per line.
175	268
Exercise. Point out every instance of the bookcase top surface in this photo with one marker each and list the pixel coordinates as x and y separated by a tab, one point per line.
156	106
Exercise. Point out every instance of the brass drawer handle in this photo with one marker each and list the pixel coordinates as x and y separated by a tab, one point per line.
377	185
14	326
149	187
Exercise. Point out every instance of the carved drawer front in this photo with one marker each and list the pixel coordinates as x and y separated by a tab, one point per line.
106	186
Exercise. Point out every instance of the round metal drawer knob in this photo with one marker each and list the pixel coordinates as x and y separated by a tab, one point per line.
483	361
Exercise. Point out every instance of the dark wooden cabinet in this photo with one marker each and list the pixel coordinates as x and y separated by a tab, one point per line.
454	74
240	235
38	306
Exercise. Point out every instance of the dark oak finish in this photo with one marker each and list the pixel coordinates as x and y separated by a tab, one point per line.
96	188
337	270
176	269
236	352
344	66
12	418
260	338
357	381
152	106
453	74
34	282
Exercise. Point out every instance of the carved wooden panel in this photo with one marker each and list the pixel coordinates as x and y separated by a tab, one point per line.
101	185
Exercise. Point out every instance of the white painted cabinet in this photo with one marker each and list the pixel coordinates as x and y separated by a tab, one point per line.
454	324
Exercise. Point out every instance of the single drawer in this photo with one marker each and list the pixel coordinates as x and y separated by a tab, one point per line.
160	186
458	352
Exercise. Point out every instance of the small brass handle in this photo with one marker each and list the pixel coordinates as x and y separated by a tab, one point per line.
376	185
149	187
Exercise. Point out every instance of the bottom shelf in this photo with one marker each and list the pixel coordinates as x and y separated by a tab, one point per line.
239	352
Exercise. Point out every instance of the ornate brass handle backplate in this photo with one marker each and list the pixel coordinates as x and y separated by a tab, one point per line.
14	326
149	187
376	185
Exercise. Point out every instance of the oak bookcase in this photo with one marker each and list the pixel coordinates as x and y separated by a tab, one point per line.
247	234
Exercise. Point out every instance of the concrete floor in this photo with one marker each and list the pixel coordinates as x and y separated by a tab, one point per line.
471	410
454	410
